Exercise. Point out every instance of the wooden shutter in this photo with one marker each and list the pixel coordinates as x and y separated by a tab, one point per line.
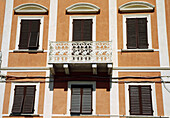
131	33
18	100
142	33
134	97
140	100
146	100
24	34
75	100
82	29
34	34
28	105
87	100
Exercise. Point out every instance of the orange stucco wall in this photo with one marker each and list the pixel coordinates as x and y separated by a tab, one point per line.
138	59
27	59
102	19
158	89
167	11
2	13
24	74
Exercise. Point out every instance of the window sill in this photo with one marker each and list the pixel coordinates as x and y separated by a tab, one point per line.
29	51
29	115
137	50
145	116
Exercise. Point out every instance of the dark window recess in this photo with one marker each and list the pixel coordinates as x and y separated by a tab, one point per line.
24	100
140	100
81	99
137	33
29	34
82	29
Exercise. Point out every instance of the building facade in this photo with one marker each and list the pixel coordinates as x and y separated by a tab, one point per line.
85	58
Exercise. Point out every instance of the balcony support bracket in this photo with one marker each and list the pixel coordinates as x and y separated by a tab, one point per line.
66	68
94	67
109	66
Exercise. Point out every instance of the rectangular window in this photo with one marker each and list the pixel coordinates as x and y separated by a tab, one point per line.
140	100
137	37
29	34
82	29
81	99
24	98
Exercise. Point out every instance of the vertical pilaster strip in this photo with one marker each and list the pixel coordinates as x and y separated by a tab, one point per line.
163	53
114	95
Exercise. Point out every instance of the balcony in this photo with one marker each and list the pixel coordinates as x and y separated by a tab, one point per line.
98	54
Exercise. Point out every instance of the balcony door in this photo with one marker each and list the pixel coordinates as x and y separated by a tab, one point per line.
82	37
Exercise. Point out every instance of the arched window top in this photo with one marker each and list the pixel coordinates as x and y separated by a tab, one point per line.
83	8
137	6
30	8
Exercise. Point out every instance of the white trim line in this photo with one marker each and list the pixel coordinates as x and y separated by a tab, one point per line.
141	68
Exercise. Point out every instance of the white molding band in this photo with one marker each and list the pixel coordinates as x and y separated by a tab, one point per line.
136	6
141	68
83	8
30	8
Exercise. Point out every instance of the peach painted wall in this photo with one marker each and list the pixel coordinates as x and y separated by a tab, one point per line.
167	11
2	13
158	89
25	74
102	19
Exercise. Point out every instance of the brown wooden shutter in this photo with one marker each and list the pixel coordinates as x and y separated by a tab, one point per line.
82	29
18	100
146	100
24	34
87	100
75	100
142	33
28	105
131	33
134	98
140	100
34	34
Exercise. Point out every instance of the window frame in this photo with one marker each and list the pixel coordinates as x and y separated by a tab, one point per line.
41	18
149	37
153	95
12	94
82	17
79	83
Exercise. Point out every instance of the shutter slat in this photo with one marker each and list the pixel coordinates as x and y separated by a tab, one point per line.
87	30
87	100
28	105
131	33
77	29
18	99
75	100
34	34
142	33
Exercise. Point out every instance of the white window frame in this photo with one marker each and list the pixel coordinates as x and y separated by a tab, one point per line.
149	35
41	18
36	96
81	83
82	17
153	93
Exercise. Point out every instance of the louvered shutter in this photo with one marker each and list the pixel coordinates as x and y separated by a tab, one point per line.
75	100
24	34
87	100
18	100
134	97
28	105
34	34
82	29
146	100
142	33
131	33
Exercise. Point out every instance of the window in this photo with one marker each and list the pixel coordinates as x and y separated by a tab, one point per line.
29	33
140	99
24	98
137	32
81	99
